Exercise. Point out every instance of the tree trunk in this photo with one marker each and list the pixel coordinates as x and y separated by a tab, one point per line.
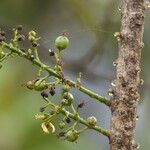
126	97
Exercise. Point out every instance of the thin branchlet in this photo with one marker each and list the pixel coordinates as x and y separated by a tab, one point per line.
47	89
54	73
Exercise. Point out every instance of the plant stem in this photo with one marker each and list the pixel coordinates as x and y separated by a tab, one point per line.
54	73
124	103
84	122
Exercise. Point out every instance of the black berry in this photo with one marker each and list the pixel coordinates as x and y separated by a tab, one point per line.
44	94
51	52
52	91
68	120
19	27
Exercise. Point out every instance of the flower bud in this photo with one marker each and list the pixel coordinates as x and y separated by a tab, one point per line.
64	102
66	88
32	33
41	116
61	42
61	125
30	85
40	85
57	109
32	36
68	98
72	135
92	121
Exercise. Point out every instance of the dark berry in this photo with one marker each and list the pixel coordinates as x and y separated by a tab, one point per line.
51	52
34	44
81	105
42	109
31	57
2	33
52	112
19	27
61	134
52	91
21	37
68	120
44	94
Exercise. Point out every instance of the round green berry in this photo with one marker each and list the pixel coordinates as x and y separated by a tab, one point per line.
72	135
61	42
92	121
40	85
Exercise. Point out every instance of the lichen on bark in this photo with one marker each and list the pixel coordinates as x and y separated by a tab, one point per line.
124	103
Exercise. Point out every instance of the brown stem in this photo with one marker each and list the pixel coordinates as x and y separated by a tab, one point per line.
126	86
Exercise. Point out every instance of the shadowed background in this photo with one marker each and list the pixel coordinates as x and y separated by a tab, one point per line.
92	49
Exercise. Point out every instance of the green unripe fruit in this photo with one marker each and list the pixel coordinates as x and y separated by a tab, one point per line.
40	85
61	125
61	42
92	121
72	135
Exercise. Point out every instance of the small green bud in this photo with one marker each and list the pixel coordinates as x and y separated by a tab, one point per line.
32	33
32	36
66	102
30	85
61	125
72	135
61	42
41	116
92	121
57	109
40	85
66	88
68	98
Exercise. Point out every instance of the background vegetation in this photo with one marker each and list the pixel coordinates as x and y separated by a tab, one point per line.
92	49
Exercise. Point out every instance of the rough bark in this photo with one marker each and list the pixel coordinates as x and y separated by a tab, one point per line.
126	95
